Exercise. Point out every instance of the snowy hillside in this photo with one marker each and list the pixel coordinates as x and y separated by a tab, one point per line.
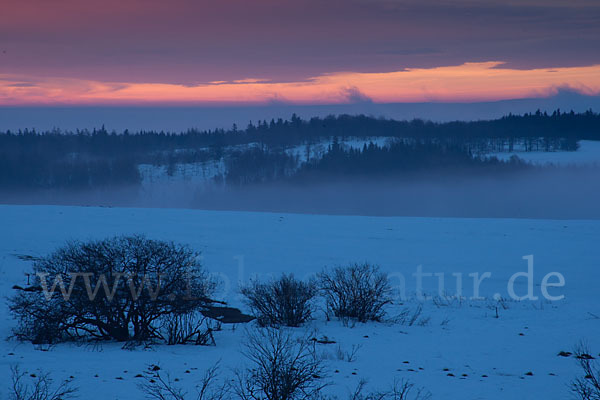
588	153
456	348
202	174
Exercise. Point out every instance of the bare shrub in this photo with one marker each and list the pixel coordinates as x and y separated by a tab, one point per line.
41	388
447	301
406	390
285	301
160	386
401	390
100	289
282	367
348	355
413	318
188	328
358	291
586	387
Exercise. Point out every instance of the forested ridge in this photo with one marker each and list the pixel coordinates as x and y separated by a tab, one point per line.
96	158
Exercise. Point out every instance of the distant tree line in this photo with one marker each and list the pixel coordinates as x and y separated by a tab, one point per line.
258	165
573	126
37	169
82	159
402	158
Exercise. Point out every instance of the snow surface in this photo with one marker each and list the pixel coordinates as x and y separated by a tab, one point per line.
200	173
463	336
588	153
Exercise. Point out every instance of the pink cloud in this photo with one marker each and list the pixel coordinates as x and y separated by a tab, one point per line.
463	83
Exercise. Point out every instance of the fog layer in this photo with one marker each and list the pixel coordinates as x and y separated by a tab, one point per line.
567	193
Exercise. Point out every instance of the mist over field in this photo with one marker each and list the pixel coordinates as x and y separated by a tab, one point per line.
563	194
569	193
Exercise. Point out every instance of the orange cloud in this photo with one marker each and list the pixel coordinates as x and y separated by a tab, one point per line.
468	82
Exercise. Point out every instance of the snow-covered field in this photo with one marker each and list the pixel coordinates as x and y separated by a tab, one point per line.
588	153
488	357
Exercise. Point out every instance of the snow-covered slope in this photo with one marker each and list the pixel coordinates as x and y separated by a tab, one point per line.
588	153
201	175
463	336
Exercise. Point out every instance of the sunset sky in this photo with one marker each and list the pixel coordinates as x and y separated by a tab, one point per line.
300	52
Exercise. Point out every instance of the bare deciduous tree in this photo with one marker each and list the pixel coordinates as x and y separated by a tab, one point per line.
100	289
